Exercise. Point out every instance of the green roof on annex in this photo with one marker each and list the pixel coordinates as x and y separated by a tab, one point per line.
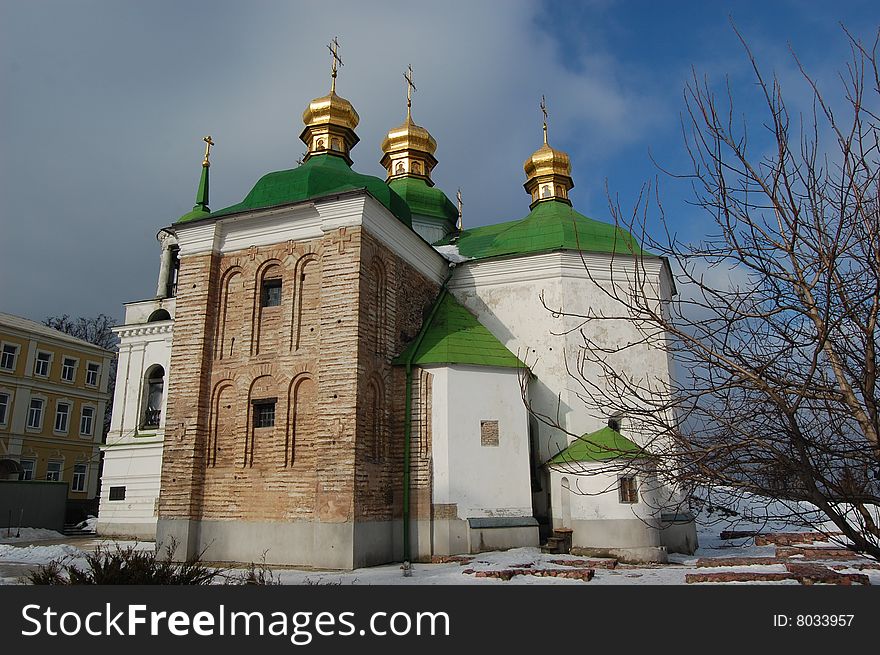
455	336
599	446
551	225
320	175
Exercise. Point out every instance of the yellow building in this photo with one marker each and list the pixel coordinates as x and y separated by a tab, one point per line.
53	393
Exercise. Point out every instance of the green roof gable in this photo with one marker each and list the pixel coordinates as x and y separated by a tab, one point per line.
600	446
424	200
455	336
551	225
319	176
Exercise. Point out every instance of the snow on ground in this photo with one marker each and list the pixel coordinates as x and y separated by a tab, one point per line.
751	514
27	535
90	524
37	554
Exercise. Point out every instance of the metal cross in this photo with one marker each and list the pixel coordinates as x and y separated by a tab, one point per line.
208	143
334	50
544	111
410	87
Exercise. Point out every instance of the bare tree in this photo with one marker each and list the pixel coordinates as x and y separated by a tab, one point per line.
776	389
97	330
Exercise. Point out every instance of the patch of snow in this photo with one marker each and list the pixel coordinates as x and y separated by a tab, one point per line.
89	524
451	254
37	554
16	535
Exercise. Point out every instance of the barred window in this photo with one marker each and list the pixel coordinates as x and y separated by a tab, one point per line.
264	414
628	489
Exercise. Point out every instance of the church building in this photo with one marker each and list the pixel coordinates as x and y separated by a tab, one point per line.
336	374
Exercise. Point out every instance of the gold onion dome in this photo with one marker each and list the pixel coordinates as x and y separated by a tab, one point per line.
548	171
330	121
408	150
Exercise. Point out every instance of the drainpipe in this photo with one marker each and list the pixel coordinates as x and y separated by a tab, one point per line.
407	419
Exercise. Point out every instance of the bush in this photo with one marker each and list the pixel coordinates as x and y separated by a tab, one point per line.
126	566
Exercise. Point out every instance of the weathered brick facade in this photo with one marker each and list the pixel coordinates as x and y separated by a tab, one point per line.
322	357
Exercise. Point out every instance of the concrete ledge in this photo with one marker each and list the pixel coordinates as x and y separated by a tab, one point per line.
310	544
503	522
145	531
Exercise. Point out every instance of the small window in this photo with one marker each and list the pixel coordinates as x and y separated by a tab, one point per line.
42	363
488	433
264	414
117	493
78	482
35	414
27	469
628	490
4	407
7	358
271	295
53	471
86	421
614	423
68	369
62	417
92	370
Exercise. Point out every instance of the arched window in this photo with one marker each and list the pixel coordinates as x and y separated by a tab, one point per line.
154	391
159	315
374	442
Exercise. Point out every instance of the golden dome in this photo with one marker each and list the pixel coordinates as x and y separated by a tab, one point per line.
408	151
548	175
409	136
547	161
330	121
331	109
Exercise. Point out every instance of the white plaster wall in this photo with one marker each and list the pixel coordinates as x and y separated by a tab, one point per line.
137	467
595	496
484	481
133	456
506	296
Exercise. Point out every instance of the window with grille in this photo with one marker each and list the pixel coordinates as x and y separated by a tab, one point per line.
628	489
117	493
264	414
271	293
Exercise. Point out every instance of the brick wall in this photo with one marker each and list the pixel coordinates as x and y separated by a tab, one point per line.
323	356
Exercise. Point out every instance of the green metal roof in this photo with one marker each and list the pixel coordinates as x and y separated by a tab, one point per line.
321	175
424	200
599	446
455	336
551	225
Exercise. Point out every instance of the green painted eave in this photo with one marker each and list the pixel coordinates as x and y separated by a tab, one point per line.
600	446
455	336
424	200
321	175
551	225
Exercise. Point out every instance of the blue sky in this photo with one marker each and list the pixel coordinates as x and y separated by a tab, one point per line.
104	104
